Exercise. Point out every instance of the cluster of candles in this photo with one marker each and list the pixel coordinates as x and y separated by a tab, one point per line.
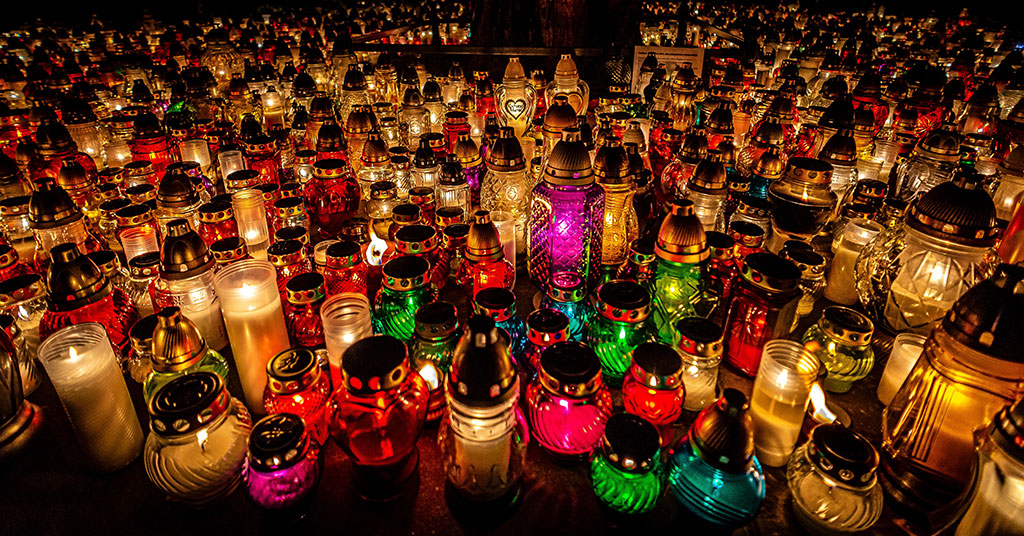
353	232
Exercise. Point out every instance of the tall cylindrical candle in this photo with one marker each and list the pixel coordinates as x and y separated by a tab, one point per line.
346	319
781	391
196	150
505	222
841	285
85	373
251	305
906	350
230	162
250	213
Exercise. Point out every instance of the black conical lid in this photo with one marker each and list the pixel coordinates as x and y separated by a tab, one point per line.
989	316
50	206
374	364
183	253
723	434
482	373
176	190
958	210
74	280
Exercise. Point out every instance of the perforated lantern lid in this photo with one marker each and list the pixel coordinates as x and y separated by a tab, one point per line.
177	344
416	239
723	434
285	253
482	373
183	253
570	368
958	211
406	273
495	302
277	442
681	237
305	288
569	163
188	403
631	443
545	327
700	337
770	272
73	279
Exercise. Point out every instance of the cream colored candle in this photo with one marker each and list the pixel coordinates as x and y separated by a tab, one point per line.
81	365
906	350
781	391
505	223
251	216
841	284
251	305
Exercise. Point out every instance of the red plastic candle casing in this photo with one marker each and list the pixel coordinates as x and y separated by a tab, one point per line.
305	295
653	388
345	270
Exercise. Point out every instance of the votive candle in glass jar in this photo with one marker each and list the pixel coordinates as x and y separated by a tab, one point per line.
297	384
284	464
653	388
251	305
305	296
500	305
405	289
840	282
699	343
567	293
140	361
377	415
568	402
832	479
230	161
346	319
841	340
626	471
906	350
812	277
781	391
763	308
250	213
82	366
196	449
432	348
177	348
544	327
619	326
242	179
345	270
186	267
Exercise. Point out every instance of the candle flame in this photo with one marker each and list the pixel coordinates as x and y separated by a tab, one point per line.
429	373
201	438
821	414
73	354
375	252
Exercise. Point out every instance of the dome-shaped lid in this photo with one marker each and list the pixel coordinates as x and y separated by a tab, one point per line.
9	171
277	442
545	327
483	242
360	120
657	366
52	138
177	344
50	206
843	455
631	443
769	133
570	369
482	373
451	172
176	190
723	434
1013	164
354	79
694	147
506	153
183	253
374	364
839	150
569	163
514	71
839	114
988	316
73	279
436	321
566	69
634	134
958	211
412	98
431	90
709	177
769	165
466	151
188	403
941	143
611	164
330	138
72	176
560	115
720	121
681	237
869	88
375	150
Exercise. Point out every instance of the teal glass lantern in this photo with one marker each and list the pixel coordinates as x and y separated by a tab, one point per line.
626	472
712	471
680	287
619	327
841	340
567	293
405	288
500	305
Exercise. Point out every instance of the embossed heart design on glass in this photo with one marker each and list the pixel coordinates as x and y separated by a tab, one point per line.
515	108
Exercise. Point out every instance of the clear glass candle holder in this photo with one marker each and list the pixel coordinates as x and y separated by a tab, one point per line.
781	391
906	350
346	319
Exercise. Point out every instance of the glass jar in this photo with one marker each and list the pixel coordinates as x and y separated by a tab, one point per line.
500	305
484	265
723	271
483	434
377	415
452	189
422	241
812	278
680	284
565	215
544	327
284	464
840	284
16	226
566	82
140	360
626	471
186	266
79	292
250	214
28	371
178	348
433	346
506	185
802	201
713	472
568	294
176	198
55	219
405	289
346	319
619	326
456	122
933	161
425	169
304	295
297	384
331	196
195	452
946	235
216	221
289	260
383	200
423	197
832	479
515	99
24	298
841	340
970	368
992	507
620	224
763	307
289	212
345	270
754	210
568	402
653	388
699	344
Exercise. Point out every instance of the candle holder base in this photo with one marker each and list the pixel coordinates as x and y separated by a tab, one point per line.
385	483
19	430
482	514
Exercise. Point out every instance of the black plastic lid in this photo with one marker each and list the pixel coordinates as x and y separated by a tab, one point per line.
659	362
277	442
184	253
74	280
436	321
569	367
770	271
188	403
989	316
373	364
496	302
842	454
482	373
631	443
723	434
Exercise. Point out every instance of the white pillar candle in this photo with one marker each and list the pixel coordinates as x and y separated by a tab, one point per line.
251	216
906	350
81	365
781	391
700	385
841	284
230	162
251	304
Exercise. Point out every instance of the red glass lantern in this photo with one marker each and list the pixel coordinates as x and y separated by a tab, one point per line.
289	259
296	384
151	143
345	270
421	241
423	197
305	294
262	156
484	265
653	388
217	221
331	196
